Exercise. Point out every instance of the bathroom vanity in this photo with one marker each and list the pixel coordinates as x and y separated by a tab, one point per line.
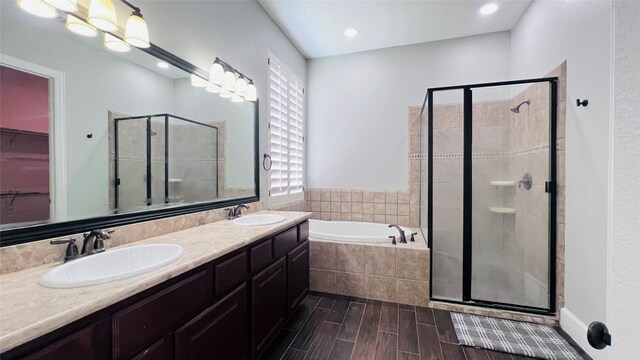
227	300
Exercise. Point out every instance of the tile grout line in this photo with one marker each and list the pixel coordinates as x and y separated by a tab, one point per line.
438	334
298	331
378	331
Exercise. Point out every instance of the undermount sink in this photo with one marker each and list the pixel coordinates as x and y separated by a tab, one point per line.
252	220
112	265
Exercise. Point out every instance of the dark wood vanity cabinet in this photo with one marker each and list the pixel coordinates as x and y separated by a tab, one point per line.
231	309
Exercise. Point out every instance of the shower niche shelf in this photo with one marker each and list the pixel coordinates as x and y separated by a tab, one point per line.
502	183
502	210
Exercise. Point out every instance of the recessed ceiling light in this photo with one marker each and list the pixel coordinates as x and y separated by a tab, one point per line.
351	32
162	65
489	8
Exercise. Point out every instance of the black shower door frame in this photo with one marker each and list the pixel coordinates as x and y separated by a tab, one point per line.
550	188
166	118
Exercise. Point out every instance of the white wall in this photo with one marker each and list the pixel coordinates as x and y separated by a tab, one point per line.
357	113
239	32
578	31
623	315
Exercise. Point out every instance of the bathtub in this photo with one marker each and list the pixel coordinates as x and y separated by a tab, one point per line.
351	231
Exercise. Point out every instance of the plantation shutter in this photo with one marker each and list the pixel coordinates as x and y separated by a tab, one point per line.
286	133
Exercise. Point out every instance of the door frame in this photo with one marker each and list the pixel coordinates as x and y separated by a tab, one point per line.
57	132
550	187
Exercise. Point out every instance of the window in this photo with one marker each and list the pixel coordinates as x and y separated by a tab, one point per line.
286	133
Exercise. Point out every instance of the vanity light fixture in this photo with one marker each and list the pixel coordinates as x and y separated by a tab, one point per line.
213	88
229	81
38	8
80	27
197	81
241	87
236	98
64	5
114	44
488	9
137	32
102	14
216	73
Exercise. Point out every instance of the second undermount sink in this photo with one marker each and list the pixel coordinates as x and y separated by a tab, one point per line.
112	265
264	219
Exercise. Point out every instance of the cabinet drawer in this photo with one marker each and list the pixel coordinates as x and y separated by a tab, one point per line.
230	273
303	231
284	242
261	255
148	320
219	332
79	345
161	350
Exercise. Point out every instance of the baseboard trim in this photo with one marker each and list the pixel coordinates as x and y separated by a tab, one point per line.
573	326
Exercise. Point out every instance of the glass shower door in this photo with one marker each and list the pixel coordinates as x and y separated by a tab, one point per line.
510	204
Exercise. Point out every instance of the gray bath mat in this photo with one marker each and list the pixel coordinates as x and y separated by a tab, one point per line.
514	337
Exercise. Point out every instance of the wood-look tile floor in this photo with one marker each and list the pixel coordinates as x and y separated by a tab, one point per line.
338	327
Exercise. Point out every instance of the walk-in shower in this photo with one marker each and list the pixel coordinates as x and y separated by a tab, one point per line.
150	170
488	203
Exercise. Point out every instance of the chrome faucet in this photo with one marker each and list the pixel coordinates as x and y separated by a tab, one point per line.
236	211
403	238
94	241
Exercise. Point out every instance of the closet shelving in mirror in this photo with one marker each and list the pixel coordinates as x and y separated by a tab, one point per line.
101	15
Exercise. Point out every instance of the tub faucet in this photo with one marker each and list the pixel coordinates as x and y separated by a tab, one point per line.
403	239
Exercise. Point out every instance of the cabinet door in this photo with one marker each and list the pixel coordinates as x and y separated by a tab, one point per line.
269	305
219	332
297	275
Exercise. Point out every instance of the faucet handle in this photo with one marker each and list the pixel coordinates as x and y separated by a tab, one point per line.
72	249
393	239
413	237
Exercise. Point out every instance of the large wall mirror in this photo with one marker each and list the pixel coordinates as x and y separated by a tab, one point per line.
92	137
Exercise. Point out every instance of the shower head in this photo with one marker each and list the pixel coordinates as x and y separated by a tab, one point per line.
517	108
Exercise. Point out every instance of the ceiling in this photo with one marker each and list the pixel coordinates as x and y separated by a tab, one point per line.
317	27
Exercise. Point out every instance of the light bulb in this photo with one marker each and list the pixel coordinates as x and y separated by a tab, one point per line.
64	5
197	81
251	93
102	14
80	27
225	94
236	98
216	74
489	8
137	32
38	8
212	88
229	81
241	87
114	44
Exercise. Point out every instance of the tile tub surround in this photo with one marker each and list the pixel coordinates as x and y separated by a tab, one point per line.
26	310
18	257
386	272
